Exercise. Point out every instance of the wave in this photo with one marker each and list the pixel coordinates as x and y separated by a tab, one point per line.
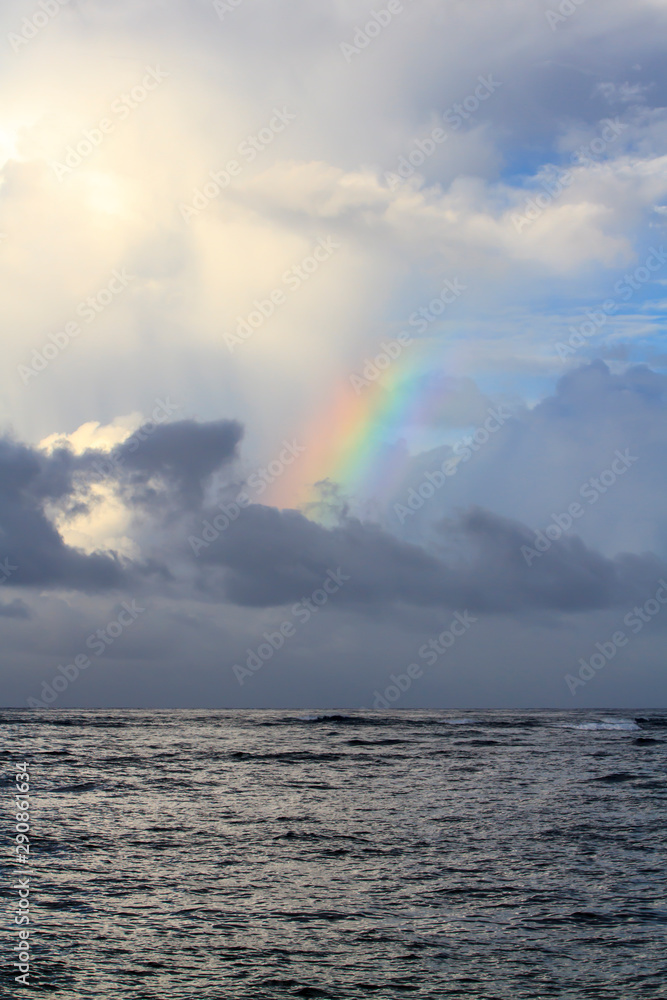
616	777
335	717
622	725
284	755
652	720
352	720
358	742
83	786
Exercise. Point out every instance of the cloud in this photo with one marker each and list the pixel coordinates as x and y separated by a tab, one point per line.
324	174
183	455
166	465
541	459
29	541
15	609
100	509
466	556
273	557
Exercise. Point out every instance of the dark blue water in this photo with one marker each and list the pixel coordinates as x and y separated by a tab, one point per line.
274	854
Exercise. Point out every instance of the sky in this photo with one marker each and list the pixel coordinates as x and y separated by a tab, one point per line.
333	359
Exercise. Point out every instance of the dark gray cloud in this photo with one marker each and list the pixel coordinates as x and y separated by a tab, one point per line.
32	548
470	544
157	466
15	609
183	455
273	557
473	558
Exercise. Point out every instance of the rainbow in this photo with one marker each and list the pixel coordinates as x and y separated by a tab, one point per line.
358	444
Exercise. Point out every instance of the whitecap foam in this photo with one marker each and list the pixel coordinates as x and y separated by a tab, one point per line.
623	725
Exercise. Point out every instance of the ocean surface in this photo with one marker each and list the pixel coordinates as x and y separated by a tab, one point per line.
274	854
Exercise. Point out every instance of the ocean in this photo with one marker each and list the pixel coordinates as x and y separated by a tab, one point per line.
274	854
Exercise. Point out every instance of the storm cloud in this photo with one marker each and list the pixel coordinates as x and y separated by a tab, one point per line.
273	557
165	465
